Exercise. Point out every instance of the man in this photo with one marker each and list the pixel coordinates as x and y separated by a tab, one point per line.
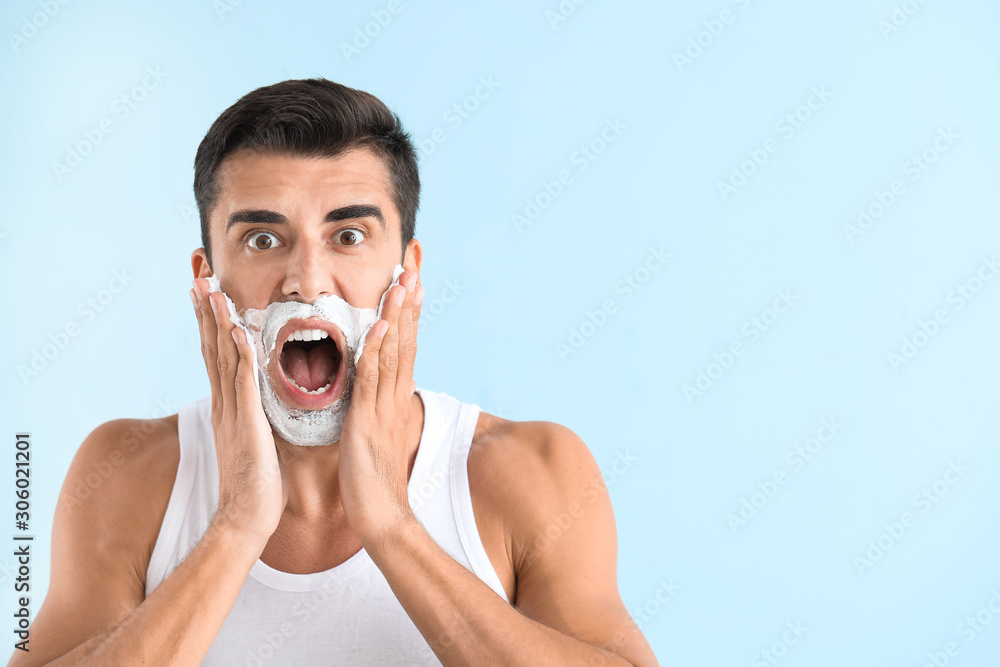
428	532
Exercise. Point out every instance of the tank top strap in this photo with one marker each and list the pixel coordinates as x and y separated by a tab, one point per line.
465	518
190	429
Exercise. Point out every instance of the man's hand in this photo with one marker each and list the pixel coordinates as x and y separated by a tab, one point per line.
252	490
373	442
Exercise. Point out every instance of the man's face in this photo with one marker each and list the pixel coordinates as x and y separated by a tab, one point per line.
296	229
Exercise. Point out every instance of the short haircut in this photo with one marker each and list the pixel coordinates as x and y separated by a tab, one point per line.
309	118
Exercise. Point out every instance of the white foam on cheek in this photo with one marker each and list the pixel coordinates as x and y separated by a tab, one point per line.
305	427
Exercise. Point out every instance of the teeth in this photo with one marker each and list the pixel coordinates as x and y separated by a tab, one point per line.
315	391
308	335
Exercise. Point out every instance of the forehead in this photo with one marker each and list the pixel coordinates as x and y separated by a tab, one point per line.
303	187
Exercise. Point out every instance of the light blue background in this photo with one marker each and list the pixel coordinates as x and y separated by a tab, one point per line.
129	206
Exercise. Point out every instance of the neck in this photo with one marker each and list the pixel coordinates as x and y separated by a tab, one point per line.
313	473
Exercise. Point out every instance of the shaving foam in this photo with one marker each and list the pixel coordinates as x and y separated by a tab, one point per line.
307	428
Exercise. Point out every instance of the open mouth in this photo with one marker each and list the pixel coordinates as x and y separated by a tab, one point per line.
311	362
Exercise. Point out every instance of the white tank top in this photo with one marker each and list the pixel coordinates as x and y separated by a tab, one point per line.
346	615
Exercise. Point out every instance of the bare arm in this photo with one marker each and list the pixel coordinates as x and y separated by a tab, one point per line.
178	622
568	609
94	612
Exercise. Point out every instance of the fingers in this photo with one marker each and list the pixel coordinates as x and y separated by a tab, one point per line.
207	329
247	395
219	349
367	376
388	358
409	317
226	356
384	373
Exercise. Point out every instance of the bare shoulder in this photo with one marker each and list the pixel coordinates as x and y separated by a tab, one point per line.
106	522
544	495
119	484
515	455
521	473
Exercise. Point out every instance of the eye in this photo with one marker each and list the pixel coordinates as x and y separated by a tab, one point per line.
263	241
353	236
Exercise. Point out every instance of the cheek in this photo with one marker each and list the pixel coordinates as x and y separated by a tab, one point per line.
366	286
251	289
364	298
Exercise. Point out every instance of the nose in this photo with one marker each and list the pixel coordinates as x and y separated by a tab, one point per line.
309	274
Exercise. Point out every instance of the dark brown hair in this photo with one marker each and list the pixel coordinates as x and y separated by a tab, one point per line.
309	118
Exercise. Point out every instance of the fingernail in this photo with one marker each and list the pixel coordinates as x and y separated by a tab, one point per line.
194	299
418	297
215	304
400	296
236	338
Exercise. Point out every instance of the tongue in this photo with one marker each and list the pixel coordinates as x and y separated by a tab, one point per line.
310	369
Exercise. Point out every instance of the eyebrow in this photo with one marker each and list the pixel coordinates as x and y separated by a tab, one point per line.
261	216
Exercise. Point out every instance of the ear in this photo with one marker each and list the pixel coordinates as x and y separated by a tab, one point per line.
414	255
199	263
